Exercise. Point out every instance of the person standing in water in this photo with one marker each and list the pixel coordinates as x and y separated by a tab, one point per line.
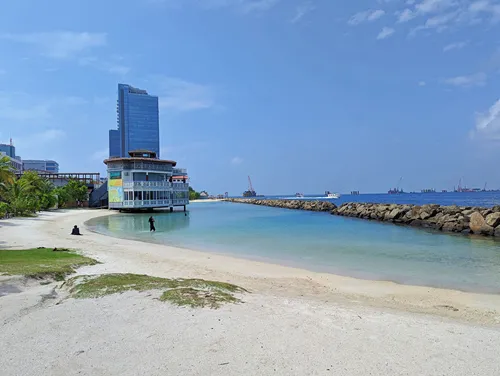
151	224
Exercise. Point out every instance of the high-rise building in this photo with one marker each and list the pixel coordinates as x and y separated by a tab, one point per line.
114	143
8	149
138	123
41	165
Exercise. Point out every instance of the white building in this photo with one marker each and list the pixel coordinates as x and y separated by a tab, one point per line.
143	181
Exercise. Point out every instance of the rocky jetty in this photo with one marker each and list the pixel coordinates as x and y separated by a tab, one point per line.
319	206
458	219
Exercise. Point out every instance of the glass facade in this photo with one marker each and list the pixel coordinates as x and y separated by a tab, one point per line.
114	143
138	122
9	150
41	165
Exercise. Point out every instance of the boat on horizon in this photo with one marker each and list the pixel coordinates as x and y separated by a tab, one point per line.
299	195
329	194
250	192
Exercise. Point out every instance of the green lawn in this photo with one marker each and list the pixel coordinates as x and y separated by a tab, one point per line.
41	262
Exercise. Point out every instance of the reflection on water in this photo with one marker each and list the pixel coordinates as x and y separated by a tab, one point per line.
322	242
133	223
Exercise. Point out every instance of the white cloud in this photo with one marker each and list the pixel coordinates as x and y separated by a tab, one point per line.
108	66
439	22
184	96
365	16
422	83
433	6
488	123
302	10
486	6
236	161
60	44
477	79
385	33
454	46
443	13
406	15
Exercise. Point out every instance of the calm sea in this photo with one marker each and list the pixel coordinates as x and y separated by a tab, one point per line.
325	243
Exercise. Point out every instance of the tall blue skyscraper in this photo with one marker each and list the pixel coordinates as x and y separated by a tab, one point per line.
138	122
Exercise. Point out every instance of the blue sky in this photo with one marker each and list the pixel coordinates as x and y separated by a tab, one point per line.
304	96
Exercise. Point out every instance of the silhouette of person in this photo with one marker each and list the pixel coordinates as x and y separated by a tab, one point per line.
75	231
151	224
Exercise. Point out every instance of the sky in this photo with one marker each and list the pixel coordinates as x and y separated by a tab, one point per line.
302	95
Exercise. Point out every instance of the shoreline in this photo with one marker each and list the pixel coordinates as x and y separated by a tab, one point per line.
133	256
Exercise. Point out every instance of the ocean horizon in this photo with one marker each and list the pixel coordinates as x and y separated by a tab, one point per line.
321	242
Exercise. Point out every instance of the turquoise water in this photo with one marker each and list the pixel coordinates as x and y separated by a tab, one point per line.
322	242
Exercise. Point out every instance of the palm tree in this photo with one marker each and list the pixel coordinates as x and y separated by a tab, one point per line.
7	176
18	197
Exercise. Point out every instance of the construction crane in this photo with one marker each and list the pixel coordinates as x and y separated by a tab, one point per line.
250	192
397	189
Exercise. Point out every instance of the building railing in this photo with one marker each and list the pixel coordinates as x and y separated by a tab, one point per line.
156	203
147	184
180	186
155	184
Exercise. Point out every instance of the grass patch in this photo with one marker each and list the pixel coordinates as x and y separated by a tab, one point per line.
194	298
42	262
182	292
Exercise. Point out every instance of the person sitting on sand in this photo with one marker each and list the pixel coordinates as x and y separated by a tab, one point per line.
75	231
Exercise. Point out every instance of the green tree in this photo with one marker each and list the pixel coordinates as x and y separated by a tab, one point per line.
62	196
40	190
19	199
193	195
7	175
76	190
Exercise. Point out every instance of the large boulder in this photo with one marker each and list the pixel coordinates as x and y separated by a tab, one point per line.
454	209
493	219
476	222
487	230
424	215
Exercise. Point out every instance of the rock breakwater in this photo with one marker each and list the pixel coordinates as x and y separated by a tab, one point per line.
458	219
319	206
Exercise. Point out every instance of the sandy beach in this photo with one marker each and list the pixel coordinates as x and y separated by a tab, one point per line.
293	321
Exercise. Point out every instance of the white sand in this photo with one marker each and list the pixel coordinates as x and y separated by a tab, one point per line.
294	322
